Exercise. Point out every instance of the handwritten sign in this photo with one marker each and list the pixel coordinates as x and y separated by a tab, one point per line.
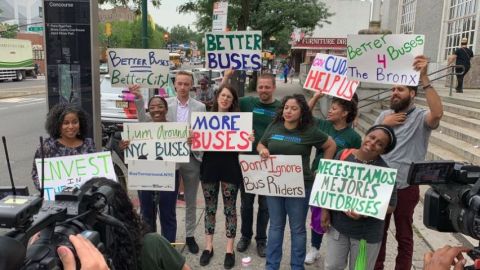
343	185
146	67
73	171
153	140
279	175
386	59
225	132
154	175
328	75
234	50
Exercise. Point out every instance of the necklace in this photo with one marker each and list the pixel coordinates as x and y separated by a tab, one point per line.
364	161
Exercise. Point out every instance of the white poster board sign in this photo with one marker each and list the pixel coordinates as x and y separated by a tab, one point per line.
155	140
279	175
240	50
386	59
328	75
73	171
146	67
226	132
220	13
342	186
154	175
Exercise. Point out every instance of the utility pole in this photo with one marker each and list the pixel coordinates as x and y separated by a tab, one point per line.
144	25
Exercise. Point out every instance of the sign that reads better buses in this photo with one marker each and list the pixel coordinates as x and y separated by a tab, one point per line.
234	50
343	186
73	171
386	59
146	67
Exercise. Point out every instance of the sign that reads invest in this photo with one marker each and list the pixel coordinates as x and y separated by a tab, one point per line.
328	75
146	67
226	132
234	50
386	59
73	171
343	186
278	175
166	141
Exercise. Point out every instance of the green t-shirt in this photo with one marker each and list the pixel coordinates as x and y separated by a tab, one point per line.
263	115
281	141
344	138
158	254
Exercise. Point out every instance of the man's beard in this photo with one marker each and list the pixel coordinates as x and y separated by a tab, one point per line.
400	105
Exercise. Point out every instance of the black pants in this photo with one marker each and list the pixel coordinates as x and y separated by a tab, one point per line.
247	216
459	87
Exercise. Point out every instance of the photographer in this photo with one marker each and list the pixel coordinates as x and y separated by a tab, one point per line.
444	258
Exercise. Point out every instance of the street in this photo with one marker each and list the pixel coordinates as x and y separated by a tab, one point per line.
22	121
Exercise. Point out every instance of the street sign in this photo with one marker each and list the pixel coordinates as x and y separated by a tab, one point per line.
35	28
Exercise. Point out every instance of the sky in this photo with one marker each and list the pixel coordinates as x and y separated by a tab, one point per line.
167	15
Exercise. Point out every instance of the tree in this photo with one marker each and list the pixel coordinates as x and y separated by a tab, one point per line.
8	30
180	34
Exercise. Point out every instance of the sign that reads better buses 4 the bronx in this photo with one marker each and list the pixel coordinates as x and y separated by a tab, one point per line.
146	67
240	50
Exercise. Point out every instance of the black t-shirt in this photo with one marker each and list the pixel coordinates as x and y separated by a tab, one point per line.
463	56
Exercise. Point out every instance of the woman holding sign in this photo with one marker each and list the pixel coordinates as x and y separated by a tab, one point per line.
67	127
221	170
352	237
150	201
292	132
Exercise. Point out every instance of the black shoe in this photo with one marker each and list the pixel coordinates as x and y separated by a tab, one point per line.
243	244
192	245
229	262
261	248
206	256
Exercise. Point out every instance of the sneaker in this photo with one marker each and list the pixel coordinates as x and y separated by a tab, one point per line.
229	262
192	245
243	244
312	255
261	249
206	256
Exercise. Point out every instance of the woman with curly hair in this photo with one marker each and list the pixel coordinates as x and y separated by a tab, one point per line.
292	132
67	127
153	251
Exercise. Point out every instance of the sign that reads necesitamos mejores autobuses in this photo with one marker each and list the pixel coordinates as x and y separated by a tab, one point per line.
385	59
155	175
225	132
73	171
343	186
155	140
278	175
240	50
146	67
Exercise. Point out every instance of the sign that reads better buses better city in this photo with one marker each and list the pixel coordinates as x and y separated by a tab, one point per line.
146	67
343	186
234	50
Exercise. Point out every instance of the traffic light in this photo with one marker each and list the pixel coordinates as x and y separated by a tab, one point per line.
108	29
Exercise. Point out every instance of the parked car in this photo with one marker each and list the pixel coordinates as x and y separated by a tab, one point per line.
103	68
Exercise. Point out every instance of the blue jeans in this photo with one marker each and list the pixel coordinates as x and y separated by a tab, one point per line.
278	209
164	203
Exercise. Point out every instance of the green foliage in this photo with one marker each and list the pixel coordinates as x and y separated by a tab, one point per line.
129	35
8	30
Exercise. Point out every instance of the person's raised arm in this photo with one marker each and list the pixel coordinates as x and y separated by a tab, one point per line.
139	103
313	101
434	101
329	148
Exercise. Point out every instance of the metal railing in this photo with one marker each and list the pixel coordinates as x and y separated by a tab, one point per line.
452	73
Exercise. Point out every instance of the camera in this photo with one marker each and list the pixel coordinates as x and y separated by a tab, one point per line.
73	212
452	204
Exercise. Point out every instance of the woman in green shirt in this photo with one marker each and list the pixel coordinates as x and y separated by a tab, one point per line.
292	132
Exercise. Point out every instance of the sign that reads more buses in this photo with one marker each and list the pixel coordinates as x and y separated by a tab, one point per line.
146	67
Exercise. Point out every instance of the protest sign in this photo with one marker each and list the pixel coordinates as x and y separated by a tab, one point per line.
73	171
221	131
146	67
157	140
385	59
328	75
234	50
278	175
155	175
343	186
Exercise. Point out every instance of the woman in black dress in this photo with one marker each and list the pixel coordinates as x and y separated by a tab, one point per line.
221	171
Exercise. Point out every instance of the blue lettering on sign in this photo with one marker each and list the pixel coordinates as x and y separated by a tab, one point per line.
336	65
224	122
278	137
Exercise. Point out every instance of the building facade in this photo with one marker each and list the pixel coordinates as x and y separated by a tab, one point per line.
444	24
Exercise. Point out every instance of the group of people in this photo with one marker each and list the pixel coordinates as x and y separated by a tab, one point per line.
287	127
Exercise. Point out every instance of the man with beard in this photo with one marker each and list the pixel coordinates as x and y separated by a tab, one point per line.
263	108
412	127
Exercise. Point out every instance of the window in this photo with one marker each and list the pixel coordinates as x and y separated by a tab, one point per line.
407	16
461	23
